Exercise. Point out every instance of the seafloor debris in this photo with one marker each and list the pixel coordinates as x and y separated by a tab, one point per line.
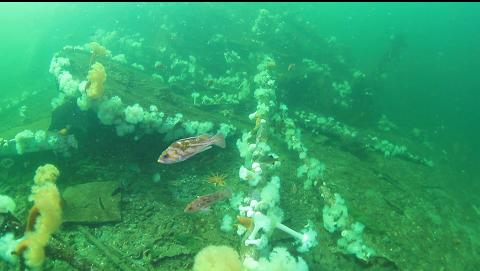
94	202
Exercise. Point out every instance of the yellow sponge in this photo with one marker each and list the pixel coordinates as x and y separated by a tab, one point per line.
96	78
217	258
46	174
44	218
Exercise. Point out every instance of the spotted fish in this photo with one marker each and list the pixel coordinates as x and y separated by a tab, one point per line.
203	203
183	149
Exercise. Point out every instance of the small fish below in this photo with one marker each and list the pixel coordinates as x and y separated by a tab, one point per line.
183	149
203	203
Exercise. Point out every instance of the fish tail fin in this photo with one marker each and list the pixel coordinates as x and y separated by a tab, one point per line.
219	140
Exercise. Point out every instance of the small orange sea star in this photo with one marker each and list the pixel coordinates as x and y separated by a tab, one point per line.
217	179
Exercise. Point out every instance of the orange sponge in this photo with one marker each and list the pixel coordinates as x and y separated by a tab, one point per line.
45	216
217	258
96	78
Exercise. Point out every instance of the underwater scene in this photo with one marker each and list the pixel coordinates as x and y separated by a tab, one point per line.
239	136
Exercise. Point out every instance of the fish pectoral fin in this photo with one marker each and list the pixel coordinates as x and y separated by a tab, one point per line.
205	210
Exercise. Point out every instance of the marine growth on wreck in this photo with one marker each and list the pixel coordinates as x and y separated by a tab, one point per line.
227	137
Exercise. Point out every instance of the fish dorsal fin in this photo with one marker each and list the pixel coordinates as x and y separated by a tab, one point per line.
188	138
203	137
199	141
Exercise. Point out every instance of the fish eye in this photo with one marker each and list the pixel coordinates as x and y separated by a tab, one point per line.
166	155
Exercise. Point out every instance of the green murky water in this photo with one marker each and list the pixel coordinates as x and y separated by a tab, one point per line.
351	135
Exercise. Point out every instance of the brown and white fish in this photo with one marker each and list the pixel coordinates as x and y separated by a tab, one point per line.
203	203
183	149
